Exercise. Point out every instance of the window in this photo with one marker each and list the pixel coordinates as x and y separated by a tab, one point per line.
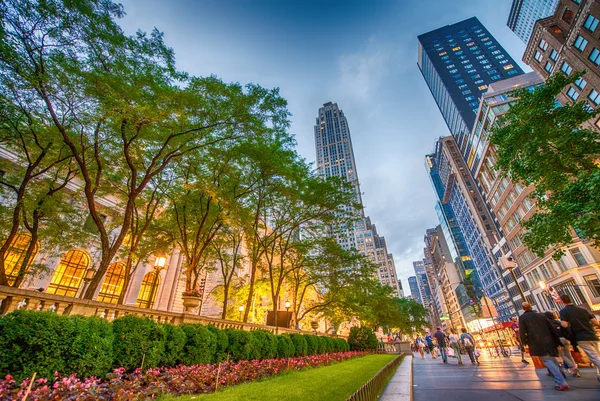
591	23
466	92
460	81
538	56
479	81
442	53
509	67
593	284
469	98
568	16
148	290
113	284
548	67
453	71
594	97
69	274
15	256
566	68
457	48
473	104
461	87
580	43
553	55
578	256
495	77
482	87
543	45
580	83
475	76
513	72
595	56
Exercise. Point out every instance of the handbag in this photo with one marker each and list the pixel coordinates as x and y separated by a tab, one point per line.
477	353
450	352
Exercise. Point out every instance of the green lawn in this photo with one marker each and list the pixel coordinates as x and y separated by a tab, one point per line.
328	383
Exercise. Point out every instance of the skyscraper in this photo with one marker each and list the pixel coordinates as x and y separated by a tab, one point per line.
524	13
458	63
414	289
335	158
422	282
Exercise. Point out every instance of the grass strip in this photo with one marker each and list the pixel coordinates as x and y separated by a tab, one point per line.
327	383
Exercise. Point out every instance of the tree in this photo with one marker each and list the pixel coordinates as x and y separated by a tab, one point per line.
553	148
118	103
228	251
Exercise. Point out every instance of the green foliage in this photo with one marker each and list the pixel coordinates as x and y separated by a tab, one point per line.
312	344
137	339
362	339
285	347
555	150
323	344
200	345
175	341
300	344
341	345
90	347
265	344
240	344
222	344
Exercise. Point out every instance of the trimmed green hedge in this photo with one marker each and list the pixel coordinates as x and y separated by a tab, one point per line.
45	342
362	339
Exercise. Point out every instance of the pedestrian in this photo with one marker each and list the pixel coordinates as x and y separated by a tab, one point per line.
537	333
582	325
441	342
564	333
420	345
515	328
454	343
430	345
468	342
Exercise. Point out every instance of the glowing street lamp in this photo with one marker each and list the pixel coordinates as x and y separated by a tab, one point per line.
241	309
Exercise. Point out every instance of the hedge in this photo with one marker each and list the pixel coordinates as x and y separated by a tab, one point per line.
362	339
45	342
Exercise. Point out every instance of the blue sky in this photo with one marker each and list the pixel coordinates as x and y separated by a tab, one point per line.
359	54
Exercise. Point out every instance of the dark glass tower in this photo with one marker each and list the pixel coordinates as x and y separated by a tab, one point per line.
458	63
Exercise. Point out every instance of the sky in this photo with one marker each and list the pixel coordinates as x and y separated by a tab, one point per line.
361	55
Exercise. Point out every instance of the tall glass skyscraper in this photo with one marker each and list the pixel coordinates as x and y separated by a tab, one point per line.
458	63
524	13
335	158
414	289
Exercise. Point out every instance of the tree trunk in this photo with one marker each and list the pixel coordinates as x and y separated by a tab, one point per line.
225	300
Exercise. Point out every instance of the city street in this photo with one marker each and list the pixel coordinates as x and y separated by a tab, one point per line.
504	379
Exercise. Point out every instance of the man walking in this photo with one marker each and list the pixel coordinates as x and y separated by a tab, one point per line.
582	325
565	351
537	332
430	345
468	342
441	340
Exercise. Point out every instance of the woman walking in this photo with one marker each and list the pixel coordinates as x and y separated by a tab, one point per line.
455	345
468	342
420	345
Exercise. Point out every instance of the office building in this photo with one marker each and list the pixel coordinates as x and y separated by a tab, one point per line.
422	282
335	158
414	289
524	14
458	62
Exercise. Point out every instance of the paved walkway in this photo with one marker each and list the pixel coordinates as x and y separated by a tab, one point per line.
398	388
506	379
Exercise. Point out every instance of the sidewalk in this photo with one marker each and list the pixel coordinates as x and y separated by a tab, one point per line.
499	378
399	386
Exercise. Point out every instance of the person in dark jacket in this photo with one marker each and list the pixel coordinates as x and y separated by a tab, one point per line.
565	350
441	341
537	332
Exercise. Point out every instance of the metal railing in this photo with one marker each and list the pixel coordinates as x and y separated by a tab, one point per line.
371	390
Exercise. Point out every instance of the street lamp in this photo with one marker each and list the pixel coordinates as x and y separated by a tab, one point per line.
88	276
508	263
287	314
241	309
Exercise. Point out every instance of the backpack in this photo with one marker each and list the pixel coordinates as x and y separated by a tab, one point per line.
468	342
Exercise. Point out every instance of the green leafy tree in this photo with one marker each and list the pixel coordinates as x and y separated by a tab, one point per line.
555	149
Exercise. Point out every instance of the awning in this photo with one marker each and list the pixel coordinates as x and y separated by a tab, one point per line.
498	326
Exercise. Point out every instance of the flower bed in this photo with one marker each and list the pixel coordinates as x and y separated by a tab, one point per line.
152	383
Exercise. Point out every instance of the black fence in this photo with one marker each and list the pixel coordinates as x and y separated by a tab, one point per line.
371	390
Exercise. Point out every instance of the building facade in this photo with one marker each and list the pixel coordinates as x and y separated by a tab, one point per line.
414	289
422	282
458	62
335	158
524	14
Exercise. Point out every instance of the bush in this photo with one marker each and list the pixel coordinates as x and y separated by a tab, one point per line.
322	344
362	339
175	340
312	343
222	343
200	344
300	345
264	344
34	342
137	339
240	344
90	350
285	347
341	345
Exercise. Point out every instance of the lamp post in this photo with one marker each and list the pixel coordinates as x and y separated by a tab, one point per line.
241	309
89	275
159	264
287	314
508	263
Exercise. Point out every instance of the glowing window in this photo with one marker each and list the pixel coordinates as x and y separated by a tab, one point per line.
113	284
148	290
509	67
457	48
15	256
442	54
69	274
482	87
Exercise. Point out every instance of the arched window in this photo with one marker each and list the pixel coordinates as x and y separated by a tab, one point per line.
69	273
148	290
113	283
16	254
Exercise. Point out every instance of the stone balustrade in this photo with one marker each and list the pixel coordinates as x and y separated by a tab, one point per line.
17	298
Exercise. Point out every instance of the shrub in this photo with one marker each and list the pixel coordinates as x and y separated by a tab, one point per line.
34	342
341	345
175	340
330	344
240	344
300	345
285	347
222	343
265	344
322	344
200	344
361	339
90	351
312	343
137	339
